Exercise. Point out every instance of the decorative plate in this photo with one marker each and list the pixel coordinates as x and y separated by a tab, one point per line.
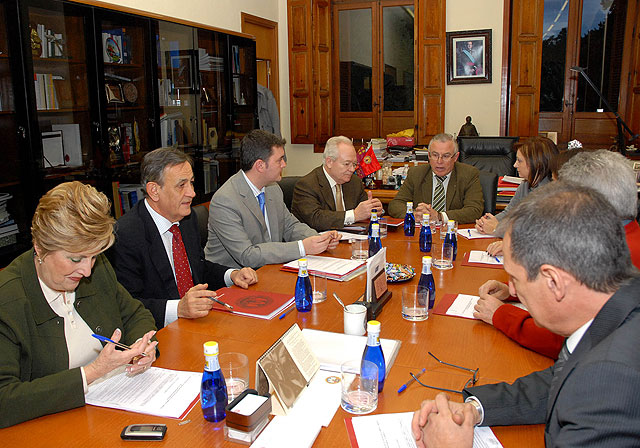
397	273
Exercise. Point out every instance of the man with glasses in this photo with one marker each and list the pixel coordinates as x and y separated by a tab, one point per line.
581	285
444	188
331	196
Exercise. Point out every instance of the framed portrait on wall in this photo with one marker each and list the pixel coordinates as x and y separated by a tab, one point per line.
181	69
469	57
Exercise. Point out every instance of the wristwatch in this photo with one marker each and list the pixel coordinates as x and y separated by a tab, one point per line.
476	404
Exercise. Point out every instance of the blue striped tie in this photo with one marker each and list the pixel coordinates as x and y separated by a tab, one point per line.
261	202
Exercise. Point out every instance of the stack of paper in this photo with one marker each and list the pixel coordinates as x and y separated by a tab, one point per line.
251	303
340	269
507	186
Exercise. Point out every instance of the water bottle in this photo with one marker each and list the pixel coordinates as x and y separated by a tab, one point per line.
373	351
452	238
425	234
213	390
409	221
372	221
304	291
375	243
426	281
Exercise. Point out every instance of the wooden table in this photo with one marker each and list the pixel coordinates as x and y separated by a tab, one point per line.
459	341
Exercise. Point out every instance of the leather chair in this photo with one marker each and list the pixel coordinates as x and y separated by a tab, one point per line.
494	154
287	184
202	213
489	183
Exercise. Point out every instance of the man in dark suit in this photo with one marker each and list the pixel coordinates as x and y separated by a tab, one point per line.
579	284
444	188
331	196
157	255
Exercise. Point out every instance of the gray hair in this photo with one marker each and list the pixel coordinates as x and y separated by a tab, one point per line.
258	145
572	228
607	172
444	138
155	162
331	147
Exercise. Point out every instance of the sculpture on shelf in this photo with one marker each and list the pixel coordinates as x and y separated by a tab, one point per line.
468	129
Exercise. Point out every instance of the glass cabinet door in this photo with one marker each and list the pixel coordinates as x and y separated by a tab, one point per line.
244	95
60	37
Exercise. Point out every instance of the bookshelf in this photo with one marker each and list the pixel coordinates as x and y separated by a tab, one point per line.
86	91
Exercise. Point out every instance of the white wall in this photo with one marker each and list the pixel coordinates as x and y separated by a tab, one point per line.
481	101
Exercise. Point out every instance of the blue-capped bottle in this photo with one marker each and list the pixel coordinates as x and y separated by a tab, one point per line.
425	234
304	291
372	221
213	390
375	243
426	282
452	238
373	351
409	221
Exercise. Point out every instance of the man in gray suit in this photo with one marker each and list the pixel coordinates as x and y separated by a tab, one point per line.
567	260
249	223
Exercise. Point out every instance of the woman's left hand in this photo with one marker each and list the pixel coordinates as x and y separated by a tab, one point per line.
142	363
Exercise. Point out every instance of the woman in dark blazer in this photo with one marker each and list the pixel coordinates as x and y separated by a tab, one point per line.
53	297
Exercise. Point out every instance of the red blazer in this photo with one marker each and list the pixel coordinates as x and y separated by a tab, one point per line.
518	324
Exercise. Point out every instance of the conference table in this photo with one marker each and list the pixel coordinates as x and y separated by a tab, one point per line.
464	342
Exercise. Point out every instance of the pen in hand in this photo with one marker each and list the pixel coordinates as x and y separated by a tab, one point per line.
117	344
215	299
405	385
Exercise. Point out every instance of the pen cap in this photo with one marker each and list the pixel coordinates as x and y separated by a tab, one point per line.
373	326
211	348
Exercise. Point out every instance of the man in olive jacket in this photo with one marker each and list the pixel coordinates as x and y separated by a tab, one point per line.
459	182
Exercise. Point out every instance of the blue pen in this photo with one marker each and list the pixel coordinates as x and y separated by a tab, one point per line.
282	316
469	233
497	259
404	386
117	344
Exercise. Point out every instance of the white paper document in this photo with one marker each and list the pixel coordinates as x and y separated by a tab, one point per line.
161	392
472	234
394	430
329	266
480	256
462	306
288	432
345	236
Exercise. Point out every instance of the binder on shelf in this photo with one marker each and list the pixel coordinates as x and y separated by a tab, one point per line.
52	150
71	145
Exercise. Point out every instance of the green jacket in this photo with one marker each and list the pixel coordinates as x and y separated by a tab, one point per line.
35	378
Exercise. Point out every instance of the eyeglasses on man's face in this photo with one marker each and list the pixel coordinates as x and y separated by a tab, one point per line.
445	157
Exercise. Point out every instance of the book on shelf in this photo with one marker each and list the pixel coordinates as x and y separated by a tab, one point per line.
130	194
52	43
45	88
71	145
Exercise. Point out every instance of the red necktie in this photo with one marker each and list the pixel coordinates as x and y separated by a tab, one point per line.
180	262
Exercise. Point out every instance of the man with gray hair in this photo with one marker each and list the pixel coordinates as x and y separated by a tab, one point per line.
608	173
331	196
567	261
158	255
445	188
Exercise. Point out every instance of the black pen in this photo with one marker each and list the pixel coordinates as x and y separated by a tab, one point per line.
215	299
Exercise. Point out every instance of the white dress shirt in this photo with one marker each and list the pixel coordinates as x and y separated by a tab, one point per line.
163	225
349	215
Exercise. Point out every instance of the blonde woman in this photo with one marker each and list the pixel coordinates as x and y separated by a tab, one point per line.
53	297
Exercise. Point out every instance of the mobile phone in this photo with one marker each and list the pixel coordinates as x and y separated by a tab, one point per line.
149	431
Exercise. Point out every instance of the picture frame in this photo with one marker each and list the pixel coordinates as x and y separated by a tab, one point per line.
181	69
469	57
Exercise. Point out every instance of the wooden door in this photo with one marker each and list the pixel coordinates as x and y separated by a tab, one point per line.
266	34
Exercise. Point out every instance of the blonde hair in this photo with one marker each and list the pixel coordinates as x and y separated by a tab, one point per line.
73	217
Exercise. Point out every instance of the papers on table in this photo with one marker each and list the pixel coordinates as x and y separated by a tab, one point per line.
156	391
462	306
334	349
472	234
386	430
340	269
252	303
480	256
354	228
287	432
344	236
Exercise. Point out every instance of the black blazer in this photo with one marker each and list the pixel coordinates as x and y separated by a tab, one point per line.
142	265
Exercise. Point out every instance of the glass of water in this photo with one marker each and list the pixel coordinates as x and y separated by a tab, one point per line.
359	387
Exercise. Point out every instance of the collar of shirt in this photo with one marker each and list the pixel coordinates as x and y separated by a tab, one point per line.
52	296
444	182
253	188
576	336
162	223
332	183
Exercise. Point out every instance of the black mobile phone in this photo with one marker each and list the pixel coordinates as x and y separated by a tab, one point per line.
149	431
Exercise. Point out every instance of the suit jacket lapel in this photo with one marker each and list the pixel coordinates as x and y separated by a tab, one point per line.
250	201
427	187
452	188
157	252
325	190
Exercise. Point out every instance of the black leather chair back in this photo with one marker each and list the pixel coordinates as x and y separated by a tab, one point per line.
202	213
494	154
489	183
287	184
